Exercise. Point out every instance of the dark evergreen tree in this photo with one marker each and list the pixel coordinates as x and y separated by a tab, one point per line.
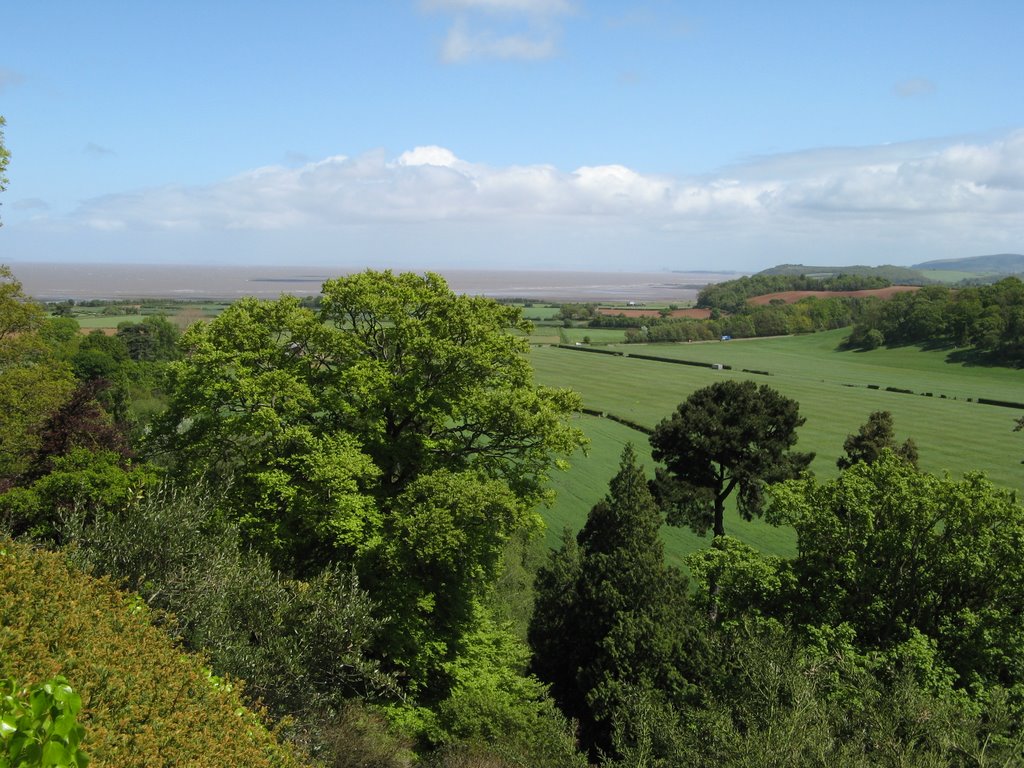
871	439
731	436
611	618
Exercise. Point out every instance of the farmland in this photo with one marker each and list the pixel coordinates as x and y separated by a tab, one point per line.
836	391
953	432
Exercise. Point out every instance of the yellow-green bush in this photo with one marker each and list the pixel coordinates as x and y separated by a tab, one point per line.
145	702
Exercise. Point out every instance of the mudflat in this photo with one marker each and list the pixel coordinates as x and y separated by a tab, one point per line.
60	281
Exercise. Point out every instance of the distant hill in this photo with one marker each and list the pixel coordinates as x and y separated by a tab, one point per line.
896	275
999	263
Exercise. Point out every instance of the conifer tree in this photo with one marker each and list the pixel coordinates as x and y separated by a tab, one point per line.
871	439
611	617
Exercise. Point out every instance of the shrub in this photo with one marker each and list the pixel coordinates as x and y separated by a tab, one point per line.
144	702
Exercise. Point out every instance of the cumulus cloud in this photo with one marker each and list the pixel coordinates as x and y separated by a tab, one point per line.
463	44
902	185
500	29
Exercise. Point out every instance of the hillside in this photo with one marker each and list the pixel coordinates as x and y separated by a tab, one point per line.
999	263
898	275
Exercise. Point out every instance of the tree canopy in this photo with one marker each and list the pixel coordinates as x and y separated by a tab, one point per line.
611	618
730	436
397	428
871	439
896	554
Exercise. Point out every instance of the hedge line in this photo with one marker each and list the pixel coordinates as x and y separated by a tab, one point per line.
656	358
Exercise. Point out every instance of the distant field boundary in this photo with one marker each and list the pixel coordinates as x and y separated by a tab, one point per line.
655	358
717	366
623	421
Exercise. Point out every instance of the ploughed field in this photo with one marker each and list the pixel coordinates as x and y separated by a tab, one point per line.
837	390
791	297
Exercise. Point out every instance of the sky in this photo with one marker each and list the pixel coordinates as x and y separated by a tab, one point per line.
542	134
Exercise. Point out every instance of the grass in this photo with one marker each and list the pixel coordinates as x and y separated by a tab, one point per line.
950	275
817	357
183	314
106	321
540	312
952	435
596	335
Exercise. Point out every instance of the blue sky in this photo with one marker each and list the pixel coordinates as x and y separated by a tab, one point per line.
562	134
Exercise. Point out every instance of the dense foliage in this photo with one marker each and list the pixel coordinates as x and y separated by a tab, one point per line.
730	436
39	725
611	619
144	703
989	318
805	316
732	295
873	437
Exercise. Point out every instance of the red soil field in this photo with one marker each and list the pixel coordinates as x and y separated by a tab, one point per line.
791	297
693	314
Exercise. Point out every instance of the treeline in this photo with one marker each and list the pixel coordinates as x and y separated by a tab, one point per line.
805	316
732	295
989	318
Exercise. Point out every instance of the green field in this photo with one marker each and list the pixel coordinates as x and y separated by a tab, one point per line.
182	314
106	321
596	335
540	312
952	435
950	275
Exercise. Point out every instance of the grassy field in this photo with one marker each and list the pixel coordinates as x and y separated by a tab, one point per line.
596	335
105	321
952	435
540	312
950	275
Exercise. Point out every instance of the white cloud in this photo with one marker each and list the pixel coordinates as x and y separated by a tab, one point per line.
462	44
500	29
940	198
432	183
432	155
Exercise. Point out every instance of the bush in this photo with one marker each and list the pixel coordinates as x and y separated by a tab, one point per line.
299	644
144	703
